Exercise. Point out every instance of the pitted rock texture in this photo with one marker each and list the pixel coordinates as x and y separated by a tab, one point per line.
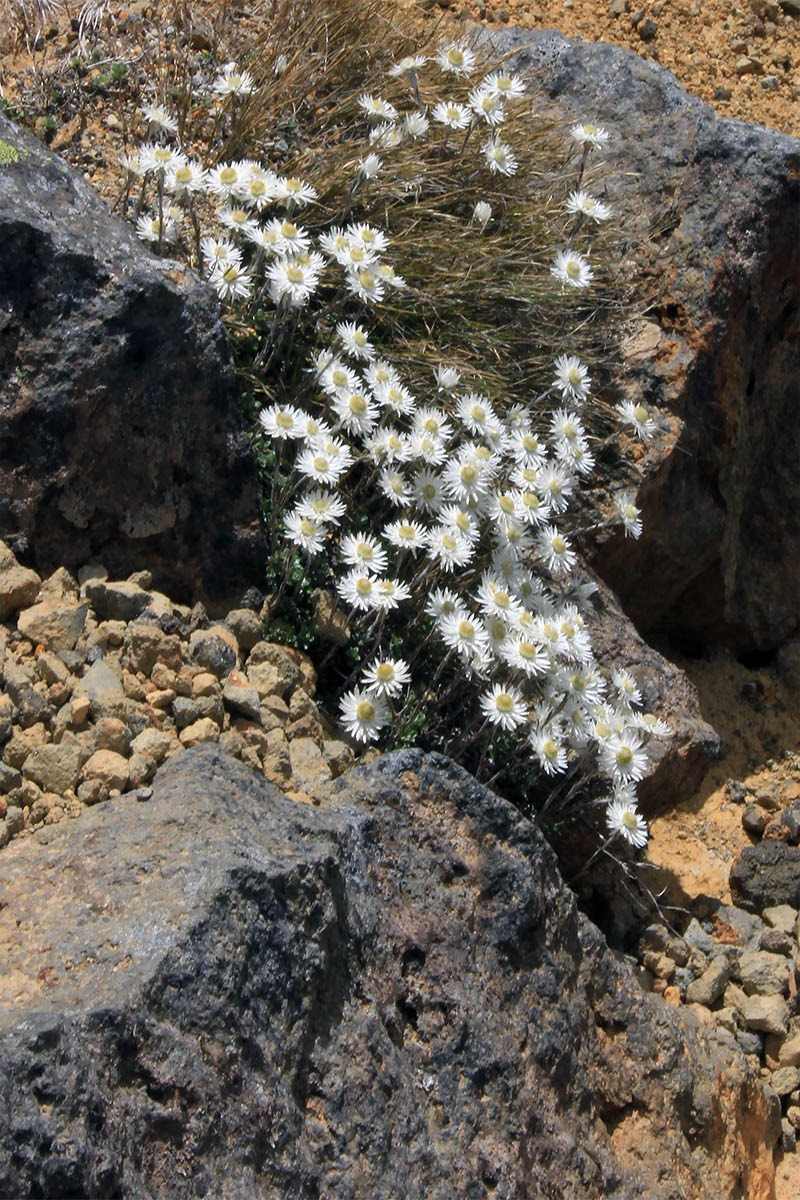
220	992
119	432
711	208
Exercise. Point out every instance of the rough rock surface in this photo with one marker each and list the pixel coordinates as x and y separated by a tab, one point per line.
717	203
119	433
220	992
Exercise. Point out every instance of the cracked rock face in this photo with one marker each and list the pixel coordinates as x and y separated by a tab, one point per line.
220	992
711	206
119	432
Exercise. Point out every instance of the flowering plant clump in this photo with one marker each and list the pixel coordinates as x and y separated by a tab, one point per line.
414	317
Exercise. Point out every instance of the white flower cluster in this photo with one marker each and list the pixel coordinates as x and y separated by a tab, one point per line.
465	500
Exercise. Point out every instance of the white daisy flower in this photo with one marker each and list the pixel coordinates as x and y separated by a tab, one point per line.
291	190
133	164
363	714
428	491
572	269
496	598
390	446
637	415
289	239
555	551
387	136
391	592
231	282
395	488
503	705
464	480
153	229
233	82
226	179
622	818
475	412
442	603
356	412
394	396
429	449
452	115
305	532
406	535
652	725
366	235
482	214
447	378
415	124
527	656
386	676
281	421
408	65
587	134
526	448
572	377
324	507
185	180
630	515
487	105
555	487
323	467
448	548
355	339
588	206
360	590
462	632
458	59
154	158
294	280
508	87
377	108
549	750
238	219
363	552
365	285
335	241
462	520
338	379
387	274
156	114
626	687
369	166
565	426
623	758
500	157
259	188
535	511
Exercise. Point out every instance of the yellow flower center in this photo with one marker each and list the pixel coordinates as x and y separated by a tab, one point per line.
288	230
466	629
448	542
284	420
503	702
231	274
550	749
624	756
294	274
573	268
257	187
364	586
455	57
469	473
321	463
385	672
183	175
365	711
357	404
364	551
407	532
640	413
630	820
506	504
558	544
307	527
429	491
528	650
228	175
294	185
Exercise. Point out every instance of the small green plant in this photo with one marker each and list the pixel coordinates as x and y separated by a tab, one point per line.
119	73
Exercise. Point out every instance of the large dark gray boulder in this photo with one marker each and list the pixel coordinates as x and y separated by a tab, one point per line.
224	993
712	210
120	439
